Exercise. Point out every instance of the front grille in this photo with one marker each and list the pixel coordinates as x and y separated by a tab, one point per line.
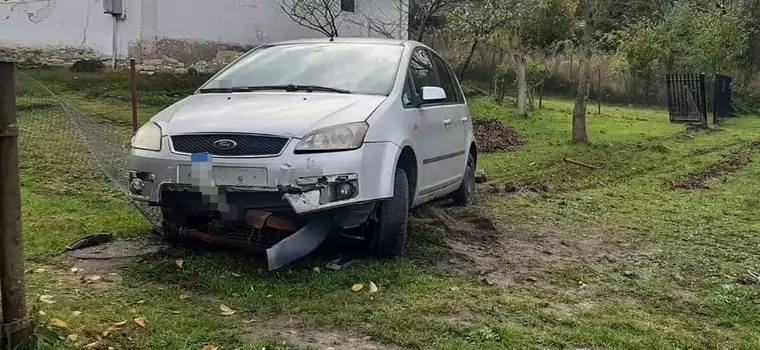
246	145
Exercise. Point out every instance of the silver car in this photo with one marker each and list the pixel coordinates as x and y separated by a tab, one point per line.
297	139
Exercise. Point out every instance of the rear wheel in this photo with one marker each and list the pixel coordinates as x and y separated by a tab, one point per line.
466	192
389	234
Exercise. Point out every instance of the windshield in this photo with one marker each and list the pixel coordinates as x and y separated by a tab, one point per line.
358	68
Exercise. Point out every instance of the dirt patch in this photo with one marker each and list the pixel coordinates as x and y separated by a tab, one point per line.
493	136
119	249
734	161
534	187
333	338
504	256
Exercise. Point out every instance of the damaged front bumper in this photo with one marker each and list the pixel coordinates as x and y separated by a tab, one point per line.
307	182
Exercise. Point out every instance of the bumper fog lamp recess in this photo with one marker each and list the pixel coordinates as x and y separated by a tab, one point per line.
344	190
136	186
138	180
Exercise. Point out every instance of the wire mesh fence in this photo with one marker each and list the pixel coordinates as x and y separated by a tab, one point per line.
64	150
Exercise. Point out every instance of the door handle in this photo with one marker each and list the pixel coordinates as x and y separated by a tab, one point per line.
447	122
465	119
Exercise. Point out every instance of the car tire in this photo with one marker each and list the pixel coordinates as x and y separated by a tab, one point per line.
464	195
389	235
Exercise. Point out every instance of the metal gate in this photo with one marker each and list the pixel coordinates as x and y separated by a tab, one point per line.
722	101
687	102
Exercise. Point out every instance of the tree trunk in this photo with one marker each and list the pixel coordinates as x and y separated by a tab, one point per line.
502	90
599	91
469	58
493	73
531	98
541	96
421	34
522	84
584	76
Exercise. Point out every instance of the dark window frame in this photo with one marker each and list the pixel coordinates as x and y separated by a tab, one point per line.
440	68
459	95
348	5
409	84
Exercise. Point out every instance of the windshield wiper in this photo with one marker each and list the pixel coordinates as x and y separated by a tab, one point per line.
225	90
310	88
287	87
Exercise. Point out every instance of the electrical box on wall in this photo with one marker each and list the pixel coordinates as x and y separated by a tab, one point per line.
113	7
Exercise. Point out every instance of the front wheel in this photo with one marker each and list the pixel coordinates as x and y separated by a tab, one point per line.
389	234
464	195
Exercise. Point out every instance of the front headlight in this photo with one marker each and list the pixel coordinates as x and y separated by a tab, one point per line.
148	137
334	138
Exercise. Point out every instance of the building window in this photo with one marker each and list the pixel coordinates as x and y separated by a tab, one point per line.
348	5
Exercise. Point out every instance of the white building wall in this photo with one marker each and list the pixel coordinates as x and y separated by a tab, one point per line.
187	31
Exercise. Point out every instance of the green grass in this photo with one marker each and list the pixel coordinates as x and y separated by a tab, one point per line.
672	285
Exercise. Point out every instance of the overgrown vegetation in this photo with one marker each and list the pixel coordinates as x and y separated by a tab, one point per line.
607	258
629	46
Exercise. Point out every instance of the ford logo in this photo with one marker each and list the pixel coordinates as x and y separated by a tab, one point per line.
225	144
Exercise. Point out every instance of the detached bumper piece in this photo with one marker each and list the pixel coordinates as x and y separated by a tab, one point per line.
282	240
299	244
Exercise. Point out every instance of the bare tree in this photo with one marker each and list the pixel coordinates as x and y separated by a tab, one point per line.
407	16
587	9
423	12
322	16
391	25
477	23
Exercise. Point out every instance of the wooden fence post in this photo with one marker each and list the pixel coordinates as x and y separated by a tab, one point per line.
133	86
12	285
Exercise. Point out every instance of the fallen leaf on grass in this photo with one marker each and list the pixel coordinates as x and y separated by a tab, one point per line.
316	269
92	279
40	270
184	296
42	313
226	310
72	337
357	287
76	269
110	330
76	313
179	263
58	323
47	299
235	274
94	346
119	324
140	321
210	347
372	287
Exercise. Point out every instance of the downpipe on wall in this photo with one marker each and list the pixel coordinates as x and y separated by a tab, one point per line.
114	40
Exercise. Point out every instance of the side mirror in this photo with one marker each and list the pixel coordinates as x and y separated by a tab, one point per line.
432	94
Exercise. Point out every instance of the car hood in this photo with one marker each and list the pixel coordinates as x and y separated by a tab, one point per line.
273	113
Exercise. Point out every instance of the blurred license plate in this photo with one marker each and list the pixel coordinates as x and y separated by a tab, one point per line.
229	176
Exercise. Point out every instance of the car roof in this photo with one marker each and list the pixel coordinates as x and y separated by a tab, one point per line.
353	40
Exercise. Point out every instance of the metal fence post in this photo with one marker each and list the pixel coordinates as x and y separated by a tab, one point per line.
12	285
133	82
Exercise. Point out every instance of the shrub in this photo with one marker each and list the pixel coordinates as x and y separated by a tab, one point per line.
87	66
